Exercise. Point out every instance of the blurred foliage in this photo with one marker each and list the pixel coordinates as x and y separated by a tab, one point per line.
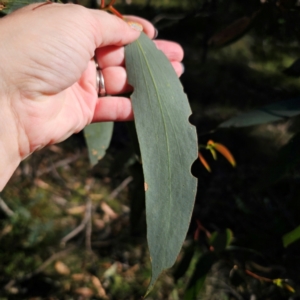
243	241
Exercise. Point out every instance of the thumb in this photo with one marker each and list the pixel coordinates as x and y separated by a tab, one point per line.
112	30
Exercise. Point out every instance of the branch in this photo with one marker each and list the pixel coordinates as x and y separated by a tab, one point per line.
84	222
60	163
261	278
88	235
5	208
121	187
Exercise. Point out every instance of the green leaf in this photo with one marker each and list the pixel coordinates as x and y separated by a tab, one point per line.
202	268
284	284
291	237
270	113
233	32
168	144
185	262
9	6
294	69
221	240
98	137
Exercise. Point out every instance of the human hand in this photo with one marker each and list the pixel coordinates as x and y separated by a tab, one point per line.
48	76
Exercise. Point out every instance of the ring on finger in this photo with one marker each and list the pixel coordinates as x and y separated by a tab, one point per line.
100	83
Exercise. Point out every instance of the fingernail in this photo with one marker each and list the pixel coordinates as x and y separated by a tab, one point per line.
155	34
183	68
135	26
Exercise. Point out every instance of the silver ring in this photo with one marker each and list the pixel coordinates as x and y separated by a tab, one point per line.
100	84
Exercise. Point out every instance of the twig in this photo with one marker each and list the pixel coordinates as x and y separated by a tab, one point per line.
198	229
5	208
121	187
169	17
88	234
88	230
41	268
84	222
58	164
261	278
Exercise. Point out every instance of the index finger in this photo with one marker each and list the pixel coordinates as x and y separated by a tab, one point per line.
105	28
112	30
148	27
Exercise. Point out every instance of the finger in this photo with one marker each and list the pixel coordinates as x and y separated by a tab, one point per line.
172	50
110	56
112	30
148	27
115	79
106	29
98	26
178	67
113	109
114	56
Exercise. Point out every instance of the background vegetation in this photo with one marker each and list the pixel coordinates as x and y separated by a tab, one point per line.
68	232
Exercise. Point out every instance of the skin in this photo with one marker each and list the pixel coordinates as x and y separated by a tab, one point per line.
48	75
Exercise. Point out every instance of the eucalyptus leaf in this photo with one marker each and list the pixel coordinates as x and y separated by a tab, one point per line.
291	237
196	283
184	264
9	6
270	113
231	33
168	144
98	137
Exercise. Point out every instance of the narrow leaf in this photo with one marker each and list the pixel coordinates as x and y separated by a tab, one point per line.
294	69
291	237
223	150
9	6
168	144
283	284
220	240
204	162
202	268
185	261
213	153
231	33
274	112
98	137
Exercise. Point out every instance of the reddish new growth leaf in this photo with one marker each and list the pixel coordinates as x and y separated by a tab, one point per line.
204	162
223	150
213	147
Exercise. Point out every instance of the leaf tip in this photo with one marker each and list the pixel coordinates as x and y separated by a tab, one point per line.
223	150
204	162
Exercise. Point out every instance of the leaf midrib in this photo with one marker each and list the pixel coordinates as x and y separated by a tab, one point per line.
164	123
